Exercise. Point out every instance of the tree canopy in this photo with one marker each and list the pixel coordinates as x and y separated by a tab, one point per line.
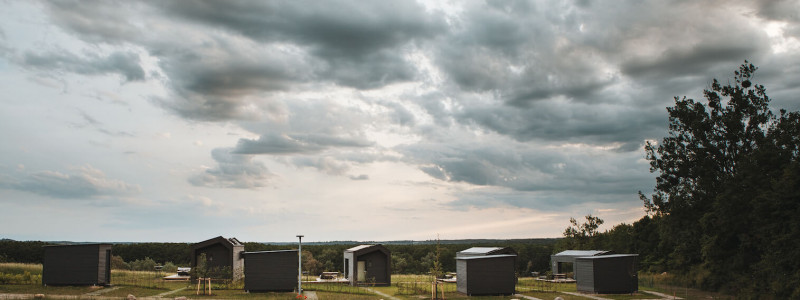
726	191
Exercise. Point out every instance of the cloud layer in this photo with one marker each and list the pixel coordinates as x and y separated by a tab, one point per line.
535	105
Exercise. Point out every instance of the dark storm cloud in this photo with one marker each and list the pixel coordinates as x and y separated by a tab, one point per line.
358	41
576	122
543	50
233	171
521	52
97	21
216	81
780	10
126	64
295	144
83	183
530	74
533	169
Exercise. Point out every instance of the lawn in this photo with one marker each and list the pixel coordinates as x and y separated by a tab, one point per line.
26	279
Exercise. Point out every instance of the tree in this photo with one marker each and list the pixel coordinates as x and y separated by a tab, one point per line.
715	190
580	236
310	264
436	270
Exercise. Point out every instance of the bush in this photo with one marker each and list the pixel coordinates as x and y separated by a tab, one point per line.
169	267
146	264
117	263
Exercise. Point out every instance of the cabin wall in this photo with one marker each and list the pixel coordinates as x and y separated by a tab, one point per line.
270	271
76	265
487	276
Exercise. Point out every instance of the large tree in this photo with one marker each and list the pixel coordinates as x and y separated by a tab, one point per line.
721	190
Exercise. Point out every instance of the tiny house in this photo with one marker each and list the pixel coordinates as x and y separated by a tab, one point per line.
267	271
607	274
221	254
82	264
368	264
486	271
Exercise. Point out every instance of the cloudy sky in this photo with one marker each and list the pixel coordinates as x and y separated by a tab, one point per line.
354	120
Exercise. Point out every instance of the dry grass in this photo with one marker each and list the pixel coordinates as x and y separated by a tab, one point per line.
20	268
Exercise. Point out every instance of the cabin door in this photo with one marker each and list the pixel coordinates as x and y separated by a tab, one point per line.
362	271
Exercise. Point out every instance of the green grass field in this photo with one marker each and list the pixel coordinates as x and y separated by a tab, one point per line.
146	284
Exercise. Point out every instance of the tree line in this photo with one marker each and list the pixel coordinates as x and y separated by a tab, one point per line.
724	210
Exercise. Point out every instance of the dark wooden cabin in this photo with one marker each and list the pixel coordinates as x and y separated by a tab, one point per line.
267	271
84	264
368	264
221	254
607	274
486	271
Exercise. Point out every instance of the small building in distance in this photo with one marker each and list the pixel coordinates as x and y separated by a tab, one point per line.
81	264
222	254
558	260
368	264
267	271
607	274
486	271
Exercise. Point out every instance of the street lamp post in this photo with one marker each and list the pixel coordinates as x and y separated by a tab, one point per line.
300	264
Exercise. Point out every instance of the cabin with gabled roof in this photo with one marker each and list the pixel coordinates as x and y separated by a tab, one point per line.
222	254
368	264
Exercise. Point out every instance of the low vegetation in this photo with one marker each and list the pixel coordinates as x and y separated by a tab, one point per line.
404	286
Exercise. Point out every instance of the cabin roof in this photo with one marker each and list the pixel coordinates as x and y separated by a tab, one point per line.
581	253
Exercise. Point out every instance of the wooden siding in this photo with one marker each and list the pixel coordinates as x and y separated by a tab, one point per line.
608	274
76	265
584	269
487	275
270	271
377	267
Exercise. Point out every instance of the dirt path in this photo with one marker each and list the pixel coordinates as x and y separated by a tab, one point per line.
526	297
311	295
169	293
663	296
102	291
384	295
586	296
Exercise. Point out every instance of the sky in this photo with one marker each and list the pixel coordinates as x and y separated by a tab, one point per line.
179	121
